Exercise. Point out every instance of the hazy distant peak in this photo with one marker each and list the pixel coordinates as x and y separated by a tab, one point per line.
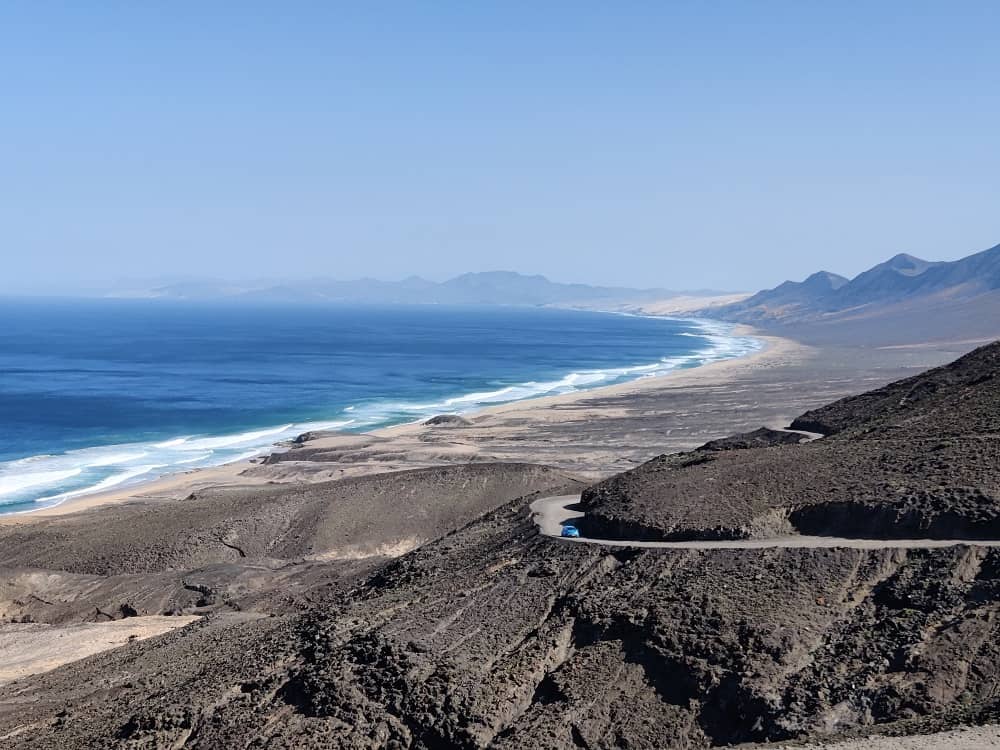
497	276
474	288
903	260
825	280
792	294
416	282
904	263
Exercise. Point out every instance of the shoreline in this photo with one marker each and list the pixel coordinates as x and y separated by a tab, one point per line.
772	347
176	486
721	341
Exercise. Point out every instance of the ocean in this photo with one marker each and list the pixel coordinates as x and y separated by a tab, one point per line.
98	394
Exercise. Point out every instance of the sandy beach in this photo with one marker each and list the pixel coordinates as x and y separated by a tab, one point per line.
491	433
593	433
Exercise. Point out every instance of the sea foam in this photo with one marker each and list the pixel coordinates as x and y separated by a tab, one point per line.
53	479
46	480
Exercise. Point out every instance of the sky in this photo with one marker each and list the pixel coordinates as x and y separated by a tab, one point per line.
685	145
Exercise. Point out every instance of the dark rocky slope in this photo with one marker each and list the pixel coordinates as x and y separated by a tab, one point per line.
259	549
494	636
344	518
960	397
917	458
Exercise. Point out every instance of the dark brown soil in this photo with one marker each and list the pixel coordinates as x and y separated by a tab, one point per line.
495	636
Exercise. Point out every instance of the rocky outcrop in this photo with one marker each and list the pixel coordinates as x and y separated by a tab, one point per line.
761	438
448	420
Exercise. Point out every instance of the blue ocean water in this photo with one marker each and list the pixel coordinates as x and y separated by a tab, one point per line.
98	394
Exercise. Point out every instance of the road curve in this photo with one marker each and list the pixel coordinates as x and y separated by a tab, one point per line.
550	513
809	436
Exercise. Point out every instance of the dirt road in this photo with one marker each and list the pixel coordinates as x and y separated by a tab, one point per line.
550	513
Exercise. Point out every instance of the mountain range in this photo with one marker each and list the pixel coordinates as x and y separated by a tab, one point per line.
905	294
487	288
902	300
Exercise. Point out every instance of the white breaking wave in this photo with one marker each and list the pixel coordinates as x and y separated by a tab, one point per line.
171	443
11	483
118	458
117	479
53	479
250	454
196	459
227	441
47	480
105	484
720	345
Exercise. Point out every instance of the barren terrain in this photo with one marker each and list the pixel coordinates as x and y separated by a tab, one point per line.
394	590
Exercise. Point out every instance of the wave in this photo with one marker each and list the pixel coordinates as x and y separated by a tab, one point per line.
10	484
249	454
104	484
52	479
46	480
171	443
118	458
195	459
720	344
226	441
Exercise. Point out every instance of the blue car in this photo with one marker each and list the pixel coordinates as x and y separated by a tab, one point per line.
569	530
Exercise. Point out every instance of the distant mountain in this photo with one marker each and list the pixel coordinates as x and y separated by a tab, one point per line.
489	288
507	287
795	295
892	280
917	297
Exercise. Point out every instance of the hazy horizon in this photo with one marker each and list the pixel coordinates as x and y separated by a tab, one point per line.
728	147
260	282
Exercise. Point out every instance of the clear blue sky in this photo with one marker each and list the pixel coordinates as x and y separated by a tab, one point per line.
702	144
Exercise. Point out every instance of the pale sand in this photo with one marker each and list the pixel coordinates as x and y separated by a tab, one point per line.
686	305
682	305
31	648
416	445
775	351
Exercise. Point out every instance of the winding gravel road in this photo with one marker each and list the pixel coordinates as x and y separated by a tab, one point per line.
550	513
809	436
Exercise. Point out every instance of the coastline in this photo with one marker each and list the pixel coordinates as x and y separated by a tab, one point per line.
539	411
57	477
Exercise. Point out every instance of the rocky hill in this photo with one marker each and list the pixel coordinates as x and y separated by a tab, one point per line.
917	458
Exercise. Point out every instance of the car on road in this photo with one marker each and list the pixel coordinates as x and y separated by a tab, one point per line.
569	530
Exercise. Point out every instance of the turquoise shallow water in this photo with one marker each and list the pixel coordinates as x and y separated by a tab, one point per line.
99	394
